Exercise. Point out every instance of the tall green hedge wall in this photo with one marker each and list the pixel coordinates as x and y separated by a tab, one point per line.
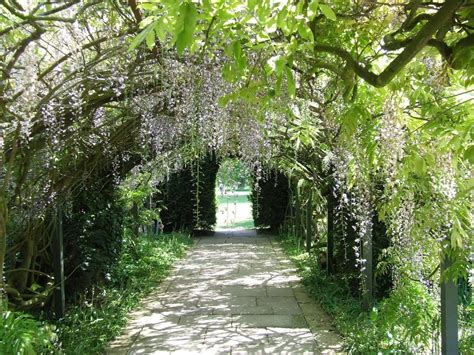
269	200
189	197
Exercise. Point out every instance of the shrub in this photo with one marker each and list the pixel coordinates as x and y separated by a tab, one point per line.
404	322
21	334
185	208
93	232
90	325
270	200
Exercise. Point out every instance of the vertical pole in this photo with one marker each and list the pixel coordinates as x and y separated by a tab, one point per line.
297	216
309	220
449	313
293	213
58	265
150	227
368	270
330	236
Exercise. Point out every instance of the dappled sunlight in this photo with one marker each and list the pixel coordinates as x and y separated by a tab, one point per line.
235	292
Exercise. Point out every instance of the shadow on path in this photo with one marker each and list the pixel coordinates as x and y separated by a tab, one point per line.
235	292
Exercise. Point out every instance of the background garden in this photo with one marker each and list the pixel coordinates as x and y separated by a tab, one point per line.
353	119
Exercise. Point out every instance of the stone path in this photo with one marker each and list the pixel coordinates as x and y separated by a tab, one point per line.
235	293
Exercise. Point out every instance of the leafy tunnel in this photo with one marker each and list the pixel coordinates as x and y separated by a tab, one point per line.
355	119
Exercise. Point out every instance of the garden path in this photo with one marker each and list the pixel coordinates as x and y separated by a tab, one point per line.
235	292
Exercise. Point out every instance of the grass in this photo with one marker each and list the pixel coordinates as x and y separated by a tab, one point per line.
88	327
247	224
234	211
231	199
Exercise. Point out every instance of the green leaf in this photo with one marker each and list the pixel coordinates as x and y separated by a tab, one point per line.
140	38
276	64
282	17
349	121
251	4
147	6
305	32
313	9
374	314
291	82
469	154
300	7
207	5
188	18
328	12
150	39
419	165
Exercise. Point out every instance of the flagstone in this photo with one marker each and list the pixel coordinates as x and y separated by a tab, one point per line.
234	293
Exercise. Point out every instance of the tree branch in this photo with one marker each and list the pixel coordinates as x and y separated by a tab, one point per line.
419	41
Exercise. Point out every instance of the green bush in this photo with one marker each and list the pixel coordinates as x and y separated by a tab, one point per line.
93	233
21	334
270	200
404	322
90	325
185	209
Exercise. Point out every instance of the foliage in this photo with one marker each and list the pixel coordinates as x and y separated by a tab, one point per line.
233	174
21	334
270	200
102	313
374	98
93	230
278	39
137	192
404	322
189	196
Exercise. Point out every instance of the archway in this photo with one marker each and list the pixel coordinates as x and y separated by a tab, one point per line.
233	196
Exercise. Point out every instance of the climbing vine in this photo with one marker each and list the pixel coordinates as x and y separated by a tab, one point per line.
367	104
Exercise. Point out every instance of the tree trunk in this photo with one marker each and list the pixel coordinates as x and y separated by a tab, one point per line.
3	245
21	277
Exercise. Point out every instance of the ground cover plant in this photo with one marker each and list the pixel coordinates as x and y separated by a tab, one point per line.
102	312
405	322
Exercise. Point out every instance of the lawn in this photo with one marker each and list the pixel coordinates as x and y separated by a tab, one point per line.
234	211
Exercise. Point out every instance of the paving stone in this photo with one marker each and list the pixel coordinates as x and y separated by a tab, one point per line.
283	305
328	340
244	291
262	321
240	310
243	301
315	317
233	293
232	337
302	296
208	320
280	291
291	341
